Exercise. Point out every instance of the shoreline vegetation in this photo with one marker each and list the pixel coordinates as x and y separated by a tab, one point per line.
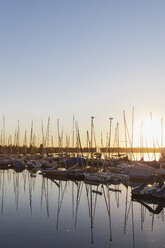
63	150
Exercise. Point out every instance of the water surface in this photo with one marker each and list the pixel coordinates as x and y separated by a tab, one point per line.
39	212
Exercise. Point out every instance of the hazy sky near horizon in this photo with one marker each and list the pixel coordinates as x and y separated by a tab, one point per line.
87	58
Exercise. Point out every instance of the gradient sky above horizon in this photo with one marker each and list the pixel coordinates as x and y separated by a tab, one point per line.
87	58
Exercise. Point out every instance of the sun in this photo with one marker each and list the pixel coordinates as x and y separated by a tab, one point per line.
148	132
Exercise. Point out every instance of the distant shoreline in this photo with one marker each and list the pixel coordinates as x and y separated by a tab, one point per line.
41	149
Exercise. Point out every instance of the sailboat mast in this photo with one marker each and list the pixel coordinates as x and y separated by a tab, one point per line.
92	126
73	134
31	136
141	140
58	131
132	143
110	127
125	132
162	133
3	131
18	135
153	136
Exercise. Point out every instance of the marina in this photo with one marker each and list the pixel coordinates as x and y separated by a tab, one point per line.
82	124
93	196
78	201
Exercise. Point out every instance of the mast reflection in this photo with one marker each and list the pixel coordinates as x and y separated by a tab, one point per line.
48	194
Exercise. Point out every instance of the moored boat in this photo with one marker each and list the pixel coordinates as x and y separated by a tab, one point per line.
76	174
5	163
62	172
153	188
141	172
106	177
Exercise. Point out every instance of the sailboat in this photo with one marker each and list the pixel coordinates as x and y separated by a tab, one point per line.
153	188
5	163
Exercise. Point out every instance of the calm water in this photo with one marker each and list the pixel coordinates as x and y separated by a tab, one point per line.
38	212
147	156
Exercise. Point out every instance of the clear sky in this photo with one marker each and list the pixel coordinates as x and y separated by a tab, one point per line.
89	57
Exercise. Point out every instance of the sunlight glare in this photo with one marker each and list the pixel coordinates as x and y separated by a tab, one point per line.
148	132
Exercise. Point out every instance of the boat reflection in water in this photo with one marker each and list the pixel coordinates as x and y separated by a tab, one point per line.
42	212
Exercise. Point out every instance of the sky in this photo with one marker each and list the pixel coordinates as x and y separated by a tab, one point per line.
61	58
